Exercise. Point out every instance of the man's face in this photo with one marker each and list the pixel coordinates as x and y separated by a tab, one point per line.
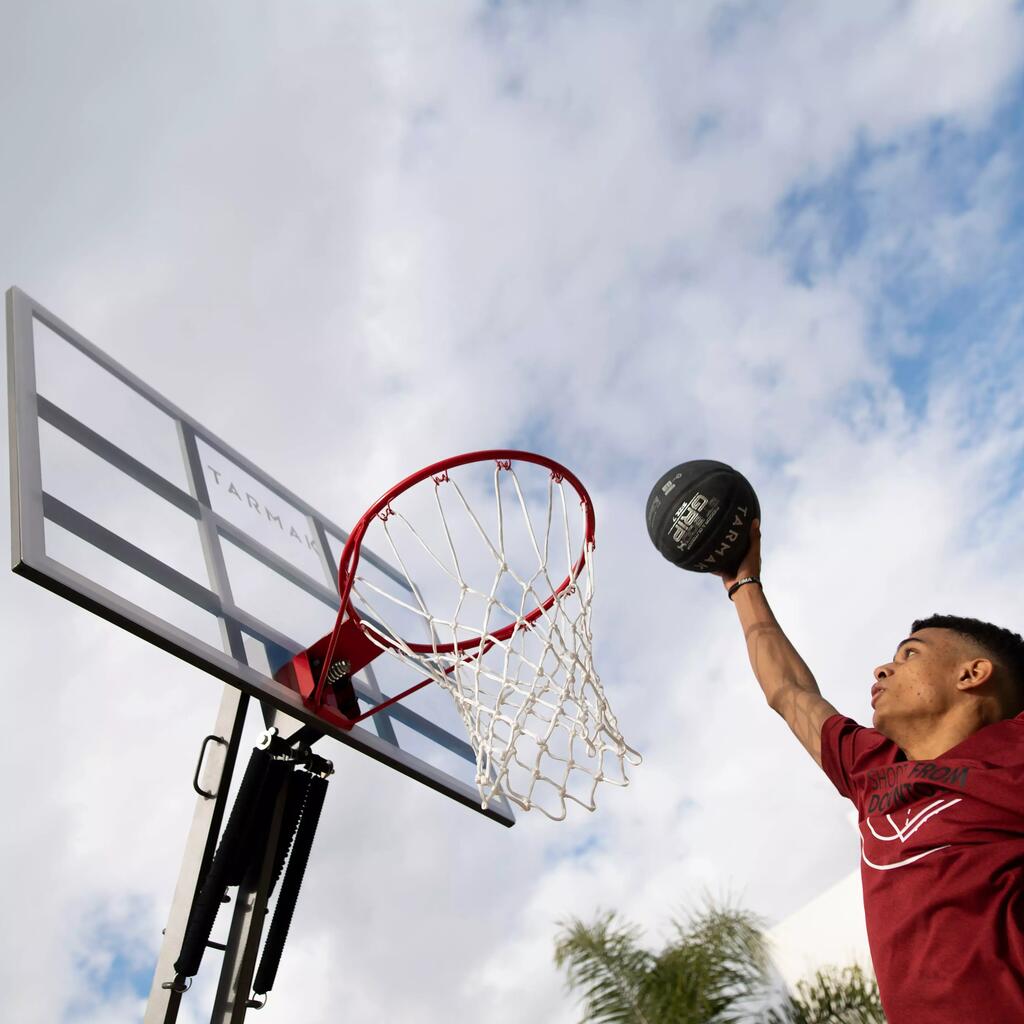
919	683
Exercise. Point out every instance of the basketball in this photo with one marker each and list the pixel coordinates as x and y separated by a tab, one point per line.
699	515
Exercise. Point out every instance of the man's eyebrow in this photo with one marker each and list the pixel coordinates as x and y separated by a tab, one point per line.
910	640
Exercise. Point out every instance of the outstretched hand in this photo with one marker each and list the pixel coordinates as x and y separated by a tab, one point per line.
751	564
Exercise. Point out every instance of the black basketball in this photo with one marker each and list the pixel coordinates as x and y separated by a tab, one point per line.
699	516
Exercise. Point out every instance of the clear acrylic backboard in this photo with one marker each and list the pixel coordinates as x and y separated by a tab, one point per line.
125	505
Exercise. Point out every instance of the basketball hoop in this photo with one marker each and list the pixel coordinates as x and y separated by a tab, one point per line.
509	538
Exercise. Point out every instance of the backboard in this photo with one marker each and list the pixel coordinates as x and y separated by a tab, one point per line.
125	505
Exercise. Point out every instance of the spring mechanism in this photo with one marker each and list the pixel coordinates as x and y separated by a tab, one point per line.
337	671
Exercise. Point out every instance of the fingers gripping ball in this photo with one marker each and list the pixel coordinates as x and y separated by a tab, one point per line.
699	515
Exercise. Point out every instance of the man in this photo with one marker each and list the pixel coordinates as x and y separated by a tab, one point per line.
939	788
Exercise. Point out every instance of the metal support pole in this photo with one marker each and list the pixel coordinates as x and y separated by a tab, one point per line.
243	944
200	846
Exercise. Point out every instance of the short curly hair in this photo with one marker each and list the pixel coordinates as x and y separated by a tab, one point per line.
1005	647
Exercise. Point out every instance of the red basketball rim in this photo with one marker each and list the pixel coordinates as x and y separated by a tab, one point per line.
503	458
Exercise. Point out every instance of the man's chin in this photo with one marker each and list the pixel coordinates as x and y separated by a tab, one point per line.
884	725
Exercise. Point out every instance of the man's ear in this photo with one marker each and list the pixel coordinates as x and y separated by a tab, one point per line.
974	673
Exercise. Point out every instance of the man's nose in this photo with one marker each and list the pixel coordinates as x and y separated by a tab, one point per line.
881	672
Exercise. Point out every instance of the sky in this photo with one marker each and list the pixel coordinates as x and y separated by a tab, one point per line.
354	238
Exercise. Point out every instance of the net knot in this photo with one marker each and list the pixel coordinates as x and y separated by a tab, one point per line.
441	478
503	463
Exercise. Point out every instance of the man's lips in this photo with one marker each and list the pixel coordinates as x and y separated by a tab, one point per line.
876	692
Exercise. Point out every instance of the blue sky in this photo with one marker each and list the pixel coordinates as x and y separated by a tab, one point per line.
353	240
922	316
114	968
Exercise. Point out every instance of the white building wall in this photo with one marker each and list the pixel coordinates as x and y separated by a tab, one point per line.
828	931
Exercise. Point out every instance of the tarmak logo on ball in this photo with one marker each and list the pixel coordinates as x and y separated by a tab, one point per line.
264	513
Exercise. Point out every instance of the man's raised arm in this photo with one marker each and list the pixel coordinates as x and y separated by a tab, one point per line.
788	685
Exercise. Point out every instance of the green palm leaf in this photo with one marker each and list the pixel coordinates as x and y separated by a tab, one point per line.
605	961
712	972
832	996
715	970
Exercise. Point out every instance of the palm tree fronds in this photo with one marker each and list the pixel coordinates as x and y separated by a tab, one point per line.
716	970
722	951
833	996
606	961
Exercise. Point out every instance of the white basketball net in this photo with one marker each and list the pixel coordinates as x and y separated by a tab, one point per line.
537	716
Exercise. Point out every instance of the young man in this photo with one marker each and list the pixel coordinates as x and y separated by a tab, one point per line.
939	788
